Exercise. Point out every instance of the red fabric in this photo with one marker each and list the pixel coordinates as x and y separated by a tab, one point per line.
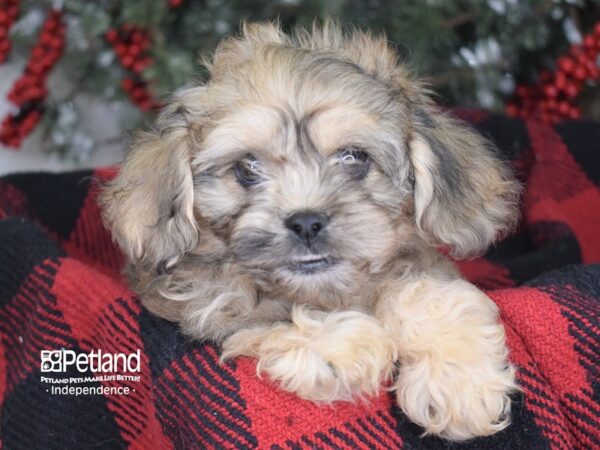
60	287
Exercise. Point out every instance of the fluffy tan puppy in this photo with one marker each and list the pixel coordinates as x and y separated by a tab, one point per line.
290	208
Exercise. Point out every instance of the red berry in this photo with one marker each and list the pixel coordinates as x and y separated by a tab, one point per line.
589	42
49	27
134	50
138	93
580	73
127	61
120	49
591	53
37	53
127	84
112	35
591	62
137	36
564	107
550	91
56	43
560	81
137	67
571	90
512	110
45	40
583	59
566	64
522	91
141	64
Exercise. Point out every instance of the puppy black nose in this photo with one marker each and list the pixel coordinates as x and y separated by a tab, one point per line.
307	224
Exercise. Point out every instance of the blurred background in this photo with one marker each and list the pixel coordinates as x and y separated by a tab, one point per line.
76	76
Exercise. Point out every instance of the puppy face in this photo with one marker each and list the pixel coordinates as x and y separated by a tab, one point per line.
308	187
309	163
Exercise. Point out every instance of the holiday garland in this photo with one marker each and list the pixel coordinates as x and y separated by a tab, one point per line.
8	15
29	90
554	97
551	99
131	45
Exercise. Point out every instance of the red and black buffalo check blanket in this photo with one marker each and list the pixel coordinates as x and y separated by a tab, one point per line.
61	288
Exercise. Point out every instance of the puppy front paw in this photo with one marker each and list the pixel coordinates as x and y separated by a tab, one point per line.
320	356
457	401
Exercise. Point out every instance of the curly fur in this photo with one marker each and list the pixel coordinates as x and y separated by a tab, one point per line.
216	257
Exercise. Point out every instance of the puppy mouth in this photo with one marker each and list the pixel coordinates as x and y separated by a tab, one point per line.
310	263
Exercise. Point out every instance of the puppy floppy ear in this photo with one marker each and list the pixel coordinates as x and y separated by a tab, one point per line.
149	206
465	195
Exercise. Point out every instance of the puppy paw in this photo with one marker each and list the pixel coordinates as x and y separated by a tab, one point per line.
320	356
457	401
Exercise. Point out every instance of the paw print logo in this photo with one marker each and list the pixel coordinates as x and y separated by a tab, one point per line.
51	361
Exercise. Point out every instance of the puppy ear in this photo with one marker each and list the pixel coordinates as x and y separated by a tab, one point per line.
465	195
149	206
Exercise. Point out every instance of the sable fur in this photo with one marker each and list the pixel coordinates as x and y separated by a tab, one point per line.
214	256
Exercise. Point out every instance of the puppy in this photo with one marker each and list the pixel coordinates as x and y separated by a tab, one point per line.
292	207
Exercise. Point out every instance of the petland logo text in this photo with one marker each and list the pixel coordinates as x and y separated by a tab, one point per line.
95	361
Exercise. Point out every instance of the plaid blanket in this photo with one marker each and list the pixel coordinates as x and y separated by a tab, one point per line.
61	288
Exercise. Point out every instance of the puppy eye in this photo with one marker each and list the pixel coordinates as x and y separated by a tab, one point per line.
248	171
354	161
